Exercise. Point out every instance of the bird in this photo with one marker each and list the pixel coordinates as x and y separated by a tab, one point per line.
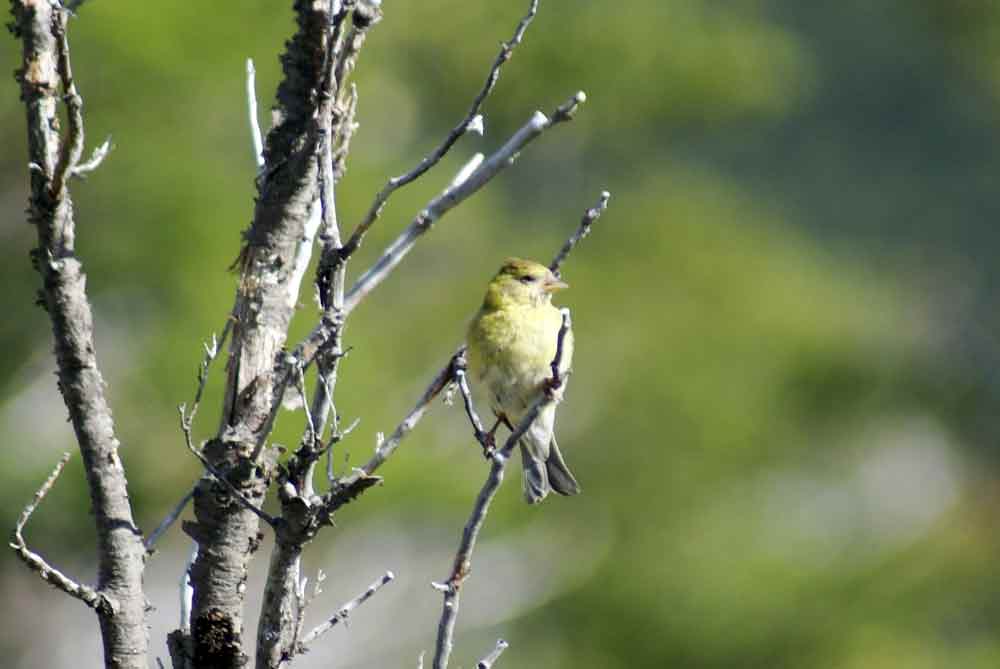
511	343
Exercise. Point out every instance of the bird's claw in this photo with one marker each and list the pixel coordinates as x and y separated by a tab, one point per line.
552	386
489	443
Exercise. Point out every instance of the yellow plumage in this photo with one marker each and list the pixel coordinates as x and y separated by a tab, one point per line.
512	341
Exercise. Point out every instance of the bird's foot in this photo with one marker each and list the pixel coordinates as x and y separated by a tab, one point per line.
489	443
553	387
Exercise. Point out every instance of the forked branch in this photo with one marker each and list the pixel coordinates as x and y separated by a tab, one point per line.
471	120
344	611
347	488
36	563
462	565
46	80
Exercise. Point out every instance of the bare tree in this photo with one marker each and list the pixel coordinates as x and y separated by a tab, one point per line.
300	164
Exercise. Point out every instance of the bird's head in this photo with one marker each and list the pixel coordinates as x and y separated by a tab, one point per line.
522	283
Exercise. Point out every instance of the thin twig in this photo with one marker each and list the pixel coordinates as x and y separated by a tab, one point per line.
462	564
211	353
240	497
488	661
472	118
347	129
344	611
445	376
346	488
46	79
484	438
168	521
313	437
589	218
320	337
72	146
36	563
439	206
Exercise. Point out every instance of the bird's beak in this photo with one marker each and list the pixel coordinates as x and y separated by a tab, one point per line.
552	284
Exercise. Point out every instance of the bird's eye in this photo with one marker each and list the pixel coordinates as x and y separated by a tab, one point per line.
527	278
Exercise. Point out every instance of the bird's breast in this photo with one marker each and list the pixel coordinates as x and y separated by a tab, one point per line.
510	351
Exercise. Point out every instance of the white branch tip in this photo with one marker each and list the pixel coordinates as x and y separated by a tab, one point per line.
476	125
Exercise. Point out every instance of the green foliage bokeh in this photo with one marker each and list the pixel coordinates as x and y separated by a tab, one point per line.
780	408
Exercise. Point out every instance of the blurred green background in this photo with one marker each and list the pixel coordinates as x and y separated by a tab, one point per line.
782	411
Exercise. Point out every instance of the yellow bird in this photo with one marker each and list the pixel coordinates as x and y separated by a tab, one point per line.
512	341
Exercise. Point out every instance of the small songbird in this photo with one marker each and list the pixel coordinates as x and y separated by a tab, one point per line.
512	341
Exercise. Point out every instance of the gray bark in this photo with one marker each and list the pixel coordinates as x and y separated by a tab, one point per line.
227	533
41	27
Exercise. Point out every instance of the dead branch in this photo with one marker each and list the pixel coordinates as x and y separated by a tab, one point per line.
36	563
439	206
462	565
472	118
271	264
347	488
494	655
344	611
589	218
46	77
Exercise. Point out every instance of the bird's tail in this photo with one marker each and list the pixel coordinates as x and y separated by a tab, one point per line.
561	479
536	479
543	475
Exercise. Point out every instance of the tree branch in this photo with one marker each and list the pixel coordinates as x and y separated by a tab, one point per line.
459	191
463	558
463	126
344	611
439	206
281	613
46	69
96	158
494	655
270	266
484	438
348	488
36	563
167	522
218	475
589	218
